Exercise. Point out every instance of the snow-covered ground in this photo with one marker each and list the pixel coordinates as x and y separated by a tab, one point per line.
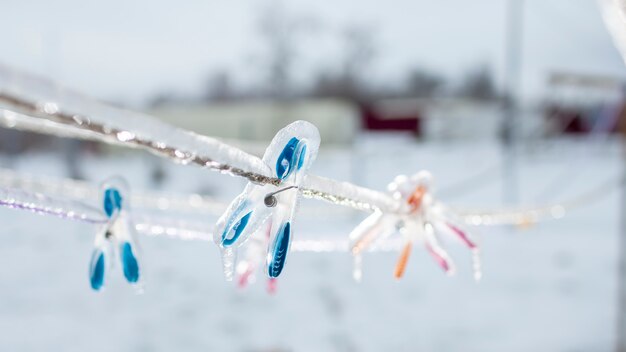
550	287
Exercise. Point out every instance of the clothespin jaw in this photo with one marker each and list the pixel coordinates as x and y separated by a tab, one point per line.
99	264
288	158
116	238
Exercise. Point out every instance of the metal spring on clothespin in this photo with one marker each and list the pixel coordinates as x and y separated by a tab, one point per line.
270	199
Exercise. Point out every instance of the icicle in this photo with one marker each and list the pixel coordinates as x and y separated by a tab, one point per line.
476	265
462	235
357	267
245	274
229	257
272	285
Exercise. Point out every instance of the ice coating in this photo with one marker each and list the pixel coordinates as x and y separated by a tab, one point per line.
348	194
231	229
288	157
47	205
34	104
132	125
375	227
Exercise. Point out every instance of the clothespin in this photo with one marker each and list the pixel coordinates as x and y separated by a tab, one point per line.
417	222
288	158
116	239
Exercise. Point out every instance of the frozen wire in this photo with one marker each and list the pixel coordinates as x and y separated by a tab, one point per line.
149	225
530	215
160	225
45	205
57	189
44	111
195	231
49	113
31	197
87	192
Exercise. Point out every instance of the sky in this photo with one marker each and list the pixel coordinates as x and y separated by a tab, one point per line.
128	51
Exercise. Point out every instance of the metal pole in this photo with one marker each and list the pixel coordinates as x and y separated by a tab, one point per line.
515	9
621	304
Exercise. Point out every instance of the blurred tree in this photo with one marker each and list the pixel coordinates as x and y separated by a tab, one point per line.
360	53
219	86
161	98
424	83
479	84
350	79
279	30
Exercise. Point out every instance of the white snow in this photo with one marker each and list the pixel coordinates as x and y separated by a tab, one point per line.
551	287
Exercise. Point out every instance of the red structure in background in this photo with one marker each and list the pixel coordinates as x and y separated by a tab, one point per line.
375	119
585	103
570	120
573	120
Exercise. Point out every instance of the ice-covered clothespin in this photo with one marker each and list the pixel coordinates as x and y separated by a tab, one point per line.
116	239
288	158
421	216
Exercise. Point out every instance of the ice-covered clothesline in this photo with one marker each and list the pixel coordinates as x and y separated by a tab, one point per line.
46	117
161	223
74	200
266	207
33	104
316	187
46	205
87	192
148	224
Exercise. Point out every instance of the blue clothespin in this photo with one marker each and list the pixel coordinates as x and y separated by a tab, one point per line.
288	158
116	238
